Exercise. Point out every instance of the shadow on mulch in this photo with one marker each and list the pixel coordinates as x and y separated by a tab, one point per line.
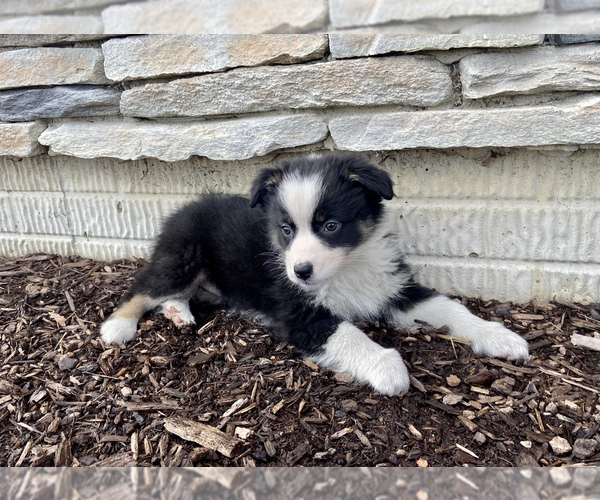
227	392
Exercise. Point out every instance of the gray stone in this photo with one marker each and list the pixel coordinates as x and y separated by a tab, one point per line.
58	102
543	69
20	139
560	446
569	39
584	448
219	140
52	24
361	45
161	55
66	363
585	477
560	476
572	121
570	5
12	7
348	13
392	80
203	16
41	40
53	66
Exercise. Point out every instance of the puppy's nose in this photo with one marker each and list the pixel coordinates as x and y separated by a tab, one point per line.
303	270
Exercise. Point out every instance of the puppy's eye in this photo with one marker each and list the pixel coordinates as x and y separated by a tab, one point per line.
286	230
332	226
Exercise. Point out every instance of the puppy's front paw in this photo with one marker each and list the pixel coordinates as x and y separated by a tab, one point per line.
388	375
118	330
494	340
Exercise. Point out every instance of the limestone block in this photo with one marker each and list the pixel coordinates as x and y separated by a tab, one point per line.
51	66
572	121
12	7
39	213
568	5
543	69
523	230
507	280
57	102
392	80
162	55
45	40
51	24
361	45
348	13
575	22
218	140
202	16
20	139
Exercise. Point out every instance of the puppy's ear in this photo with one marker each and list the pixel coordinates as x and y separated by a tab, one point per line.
264	184
371	178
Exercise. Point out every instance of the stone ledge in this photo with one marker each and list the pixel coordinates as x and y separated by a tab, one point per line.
162	55
219	140
20	139
349	13
577	22
52	24
53	66
58	102
12	7
18	41
403	80
232	16
361	45
573	121
543	69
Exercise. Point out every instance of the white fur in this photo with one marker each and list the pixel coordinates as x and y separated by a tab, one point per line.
487	338
118	330
178	311
364	284
350	350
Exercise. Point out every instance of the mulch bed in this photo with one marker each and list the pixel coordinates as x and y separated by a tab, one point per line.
228	392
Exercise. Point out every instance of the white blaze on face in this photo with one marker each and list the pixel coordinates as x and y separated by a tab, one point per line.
300	196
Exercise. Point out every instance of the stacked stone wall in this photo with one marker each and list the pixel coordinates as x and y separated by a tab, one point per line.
491	141
297	16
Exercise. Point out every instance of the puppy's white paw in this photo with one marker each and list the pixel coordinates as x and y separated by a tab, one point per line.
178	312
494	340
118	330
388	375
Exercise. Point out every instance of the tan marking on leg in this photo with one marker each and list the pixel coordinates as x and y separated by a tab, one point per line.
134	307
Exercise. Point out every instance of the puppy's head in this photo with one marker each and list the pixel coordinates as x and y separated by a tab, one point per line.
319	209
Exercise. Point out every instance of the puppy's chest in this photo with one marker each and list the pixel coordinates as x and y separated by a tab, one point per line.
362	290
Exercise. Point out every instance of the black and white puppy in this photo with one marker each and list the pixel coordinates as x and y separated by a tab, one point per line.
312	251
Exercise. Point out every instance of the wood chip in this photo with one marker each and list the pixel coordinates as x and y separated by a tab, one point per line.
341	433
592	343
205	435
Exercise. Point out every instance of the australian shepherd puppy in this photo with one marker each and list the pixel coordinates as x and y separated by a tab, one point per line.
313	250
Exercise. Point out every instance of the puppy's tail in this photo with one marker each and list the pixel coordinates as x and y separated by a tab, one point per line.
121	326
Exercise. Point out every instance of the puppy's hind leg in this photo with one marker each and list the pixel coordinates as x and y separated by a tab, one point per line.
178	311
121	326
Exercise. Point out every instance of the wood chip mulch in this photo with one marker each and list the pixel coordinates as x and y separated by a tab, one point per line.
227	392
